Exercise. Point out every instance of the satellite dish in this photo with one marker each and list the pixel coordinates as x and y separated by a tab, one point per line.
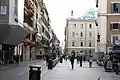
117	42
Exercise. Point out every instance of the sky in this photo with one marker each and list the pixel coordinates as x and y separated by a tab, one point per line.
60	10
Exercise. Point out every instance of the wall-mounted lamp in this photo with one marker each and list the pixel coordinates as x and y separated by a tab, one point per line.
98	37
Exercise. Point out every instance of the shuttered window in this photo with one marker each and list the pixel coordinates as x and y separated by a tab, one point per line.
114	26
115	8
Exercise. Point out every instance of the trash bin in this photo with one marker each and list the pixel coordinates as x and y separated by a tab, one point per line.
50	64
35	72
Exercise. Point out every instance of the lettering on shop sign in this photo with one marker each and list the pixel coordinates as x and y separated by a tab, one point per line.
3	10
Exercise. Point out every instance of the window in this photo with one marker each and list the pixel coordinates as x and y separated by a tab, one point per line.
73	43
90	25
81	34
73	34
115	8
74	24
77	34
81	25
115	38
89	44
90	34
115	26
81	44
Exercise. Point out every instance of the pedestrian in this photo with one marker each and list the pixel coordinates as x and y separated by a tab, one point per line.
66	57
90	61
84	58
47	59
77	59
14	58
61	59
72	60
17	59
80	58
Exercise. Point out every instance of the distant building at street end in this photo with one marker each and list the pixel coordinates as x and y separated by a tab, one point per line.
80	36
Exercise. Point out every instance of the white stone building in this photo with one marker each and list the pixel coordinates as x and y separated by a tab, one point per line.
80	36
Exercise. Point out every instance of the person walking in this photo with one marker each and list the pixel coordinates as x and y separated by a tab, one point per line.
80	60
72	60
17	59
47	59
77	59
90	61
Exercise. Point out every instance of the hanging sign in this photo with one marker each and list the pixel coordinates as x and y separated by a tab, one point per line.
117	42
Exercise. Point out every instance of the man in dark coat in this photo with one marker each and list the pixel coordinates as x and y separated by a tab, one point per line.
72	59
80	60
17	59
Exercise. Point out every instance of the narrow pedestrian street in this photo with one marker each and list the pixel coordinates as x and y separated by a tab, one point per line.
63	71
36	35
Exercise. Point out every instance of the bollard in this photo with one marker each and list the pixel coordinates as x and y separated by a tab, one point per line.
50	64
35	72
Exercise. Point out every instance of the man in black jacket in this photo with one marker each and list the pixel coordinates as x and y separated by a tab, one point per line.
80	60
72	59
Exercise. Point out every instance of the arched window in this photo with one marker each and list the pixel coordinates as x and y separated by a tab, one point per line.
90	25
89	44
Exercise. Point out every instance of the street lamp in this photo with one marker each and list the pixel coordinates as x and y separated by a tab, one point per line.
98	41
98	37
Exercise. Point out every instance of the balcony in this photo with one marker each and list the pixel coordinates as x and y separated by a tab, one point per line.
29	42
29	8
29	29
12	34
29	12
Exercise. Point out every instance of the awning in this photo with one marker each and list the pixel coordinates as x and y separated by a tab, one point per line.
12	34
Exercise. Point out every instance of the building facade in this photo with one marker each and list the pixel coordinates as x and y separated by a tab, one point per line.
80	36
108	23
24	29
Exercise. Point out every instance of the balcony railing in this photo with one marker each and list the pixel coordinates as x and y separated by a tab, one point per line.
30	12
29	29
29	8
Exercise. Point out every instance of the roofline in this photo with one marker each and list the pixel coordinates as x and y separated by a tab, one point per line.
75	19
